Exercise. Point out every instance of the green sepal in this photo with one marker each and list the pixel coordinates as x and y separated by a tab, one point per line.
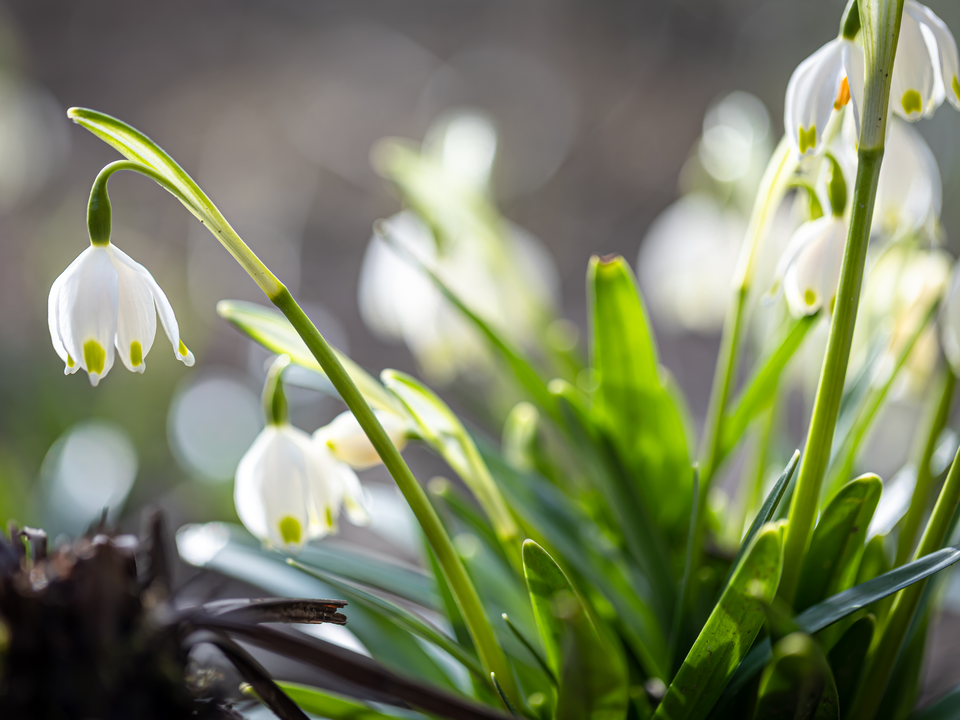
275	408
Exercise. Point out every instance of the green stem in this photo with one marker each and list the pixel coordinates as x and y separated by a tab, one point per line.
881	29
889	639
921	492
491	655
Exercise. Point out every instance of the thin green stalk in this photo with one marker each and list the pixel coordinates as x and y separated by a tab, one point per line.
491	655
889	639
921	491
880	28
772	188
489	650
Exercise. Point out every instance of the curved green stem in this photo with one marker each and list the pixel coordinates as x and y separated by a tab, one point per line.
185	189
881	29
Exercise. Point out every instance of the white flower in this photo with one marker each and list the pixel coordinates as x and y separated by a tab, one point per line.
824	82
348	443
926	67
909	193
105	300
810	266
289	489
950	322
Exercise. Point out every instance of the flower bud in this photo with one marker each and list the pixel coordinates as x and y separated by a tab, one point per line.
348	443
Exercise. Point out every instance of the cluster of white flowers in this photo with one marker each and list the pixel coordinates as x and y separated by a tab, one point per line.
909	195
290	486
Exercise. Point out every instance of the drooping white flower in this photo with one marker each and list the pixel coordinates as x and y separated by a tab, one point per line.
348	443
824	82
810	266
926	66
106	300
909	193
284	491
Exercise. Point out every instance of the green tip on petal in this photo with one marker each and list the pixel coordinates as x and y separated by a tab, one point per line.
136	353
810	297
956	87
182	349
290	530
70	361
329	515
911	101
94	356
808	138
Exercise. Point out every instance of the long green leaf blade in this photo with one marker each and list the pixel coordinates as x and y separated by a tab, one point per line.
338	707
728	633
593	679
831	562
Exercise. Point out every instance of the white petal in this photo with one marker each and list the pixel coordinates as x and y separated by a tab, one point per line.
853	64
950	323
810	281
167	318
271	492
354	499
946	48
136	316
811	94
53	317
350	444
914	88
326	487
909	193
87	312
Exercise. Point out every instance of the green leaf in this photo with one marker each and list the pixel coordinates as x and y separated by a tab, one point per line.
272	330
560	524
399	616
848	655
386	642
758	392
765	514
631	402
134	145
839	606
831	562
364	567
728	633
797	683
338	707
593	678
442	430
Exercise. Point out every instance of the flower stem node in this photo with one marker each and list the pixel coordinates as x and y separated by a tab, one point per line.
106	303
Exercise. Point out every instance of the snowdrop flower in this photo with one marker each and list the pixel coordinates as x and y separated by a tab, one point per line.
809	269
926	67
824	82
909	194
289	488
348	443
104	301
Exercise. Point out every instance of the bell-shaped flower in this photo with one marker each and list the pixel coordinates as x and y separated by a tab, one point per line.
824	82
284	491
348	443
105	300
809	270
926	66
909	193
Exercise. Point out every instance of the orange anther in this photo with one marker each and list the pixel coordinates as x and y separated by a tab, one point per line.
843	95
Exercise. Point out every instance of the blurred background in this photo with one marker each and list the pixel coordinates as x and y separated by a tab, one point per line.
604	113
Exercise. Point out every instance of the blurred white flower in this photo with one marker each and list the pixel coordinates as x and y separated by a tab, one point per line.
950	322
465	144
348	443
735	144
104	299
903	285
909	194
809	270
686	262
824	82
926	66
